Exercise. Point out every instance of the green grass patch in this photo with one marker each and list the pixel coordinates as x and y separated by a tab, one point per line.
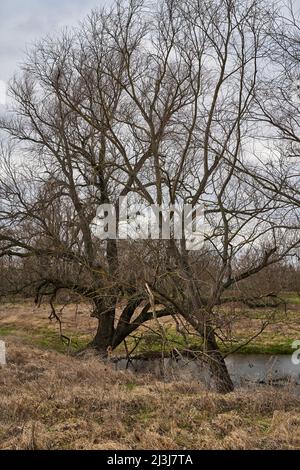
7	330
270	348
130	386
48	339
152	344
291	297
45	338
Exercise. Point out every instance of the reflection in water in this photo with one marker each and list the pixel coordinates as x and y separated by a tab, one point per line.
245	369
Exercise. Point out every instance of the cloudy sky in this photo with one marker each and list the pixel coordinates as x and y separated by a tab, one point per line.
24	21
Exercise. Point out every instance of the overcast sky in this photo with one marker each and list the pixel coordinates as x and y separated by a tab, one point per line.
24	21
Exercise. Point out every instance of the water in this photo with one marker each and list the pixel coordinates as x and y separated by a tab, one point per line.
262	368
244	369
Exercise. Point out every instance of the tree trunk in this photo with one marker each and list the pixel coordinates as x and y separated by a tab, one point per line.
105	332
218	369
213	356
103	340
201	322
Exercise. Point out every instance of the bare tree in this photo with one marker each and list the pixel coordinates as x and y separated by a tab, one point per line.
67	113
156	105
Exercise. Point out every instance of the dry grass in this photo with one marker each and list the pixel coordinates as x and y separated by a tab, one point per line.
25	314
32	324
53	401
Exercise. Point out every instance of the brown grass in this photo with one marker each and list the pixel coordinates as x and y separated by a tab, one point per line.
32	323
53	401
25	314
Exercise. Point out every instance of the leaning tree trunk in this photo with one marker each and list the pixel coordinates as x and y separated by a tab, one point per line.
221	379
213	356
218	369
201	322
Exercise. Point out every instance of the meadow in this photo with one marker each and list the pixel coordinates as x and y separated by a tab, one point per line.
52	398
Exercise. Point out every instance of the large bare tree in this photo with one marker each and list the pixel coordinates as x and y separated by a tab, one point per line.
158	105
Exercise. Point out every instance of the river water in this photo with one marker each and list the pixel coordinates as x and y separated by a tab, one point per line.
245	369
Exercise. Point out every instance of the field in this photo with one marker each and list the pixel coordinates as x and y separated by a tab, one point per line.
53	400
31	324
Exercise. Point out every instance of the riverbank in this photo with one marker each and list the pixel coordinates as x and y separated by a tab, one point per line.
272	330
53	401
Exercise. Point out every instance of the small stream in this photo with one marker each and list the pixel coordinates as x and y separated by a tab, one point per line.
245	369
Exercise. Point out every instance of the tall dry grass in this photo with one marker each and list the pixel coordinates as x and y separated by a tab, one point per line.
52	401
